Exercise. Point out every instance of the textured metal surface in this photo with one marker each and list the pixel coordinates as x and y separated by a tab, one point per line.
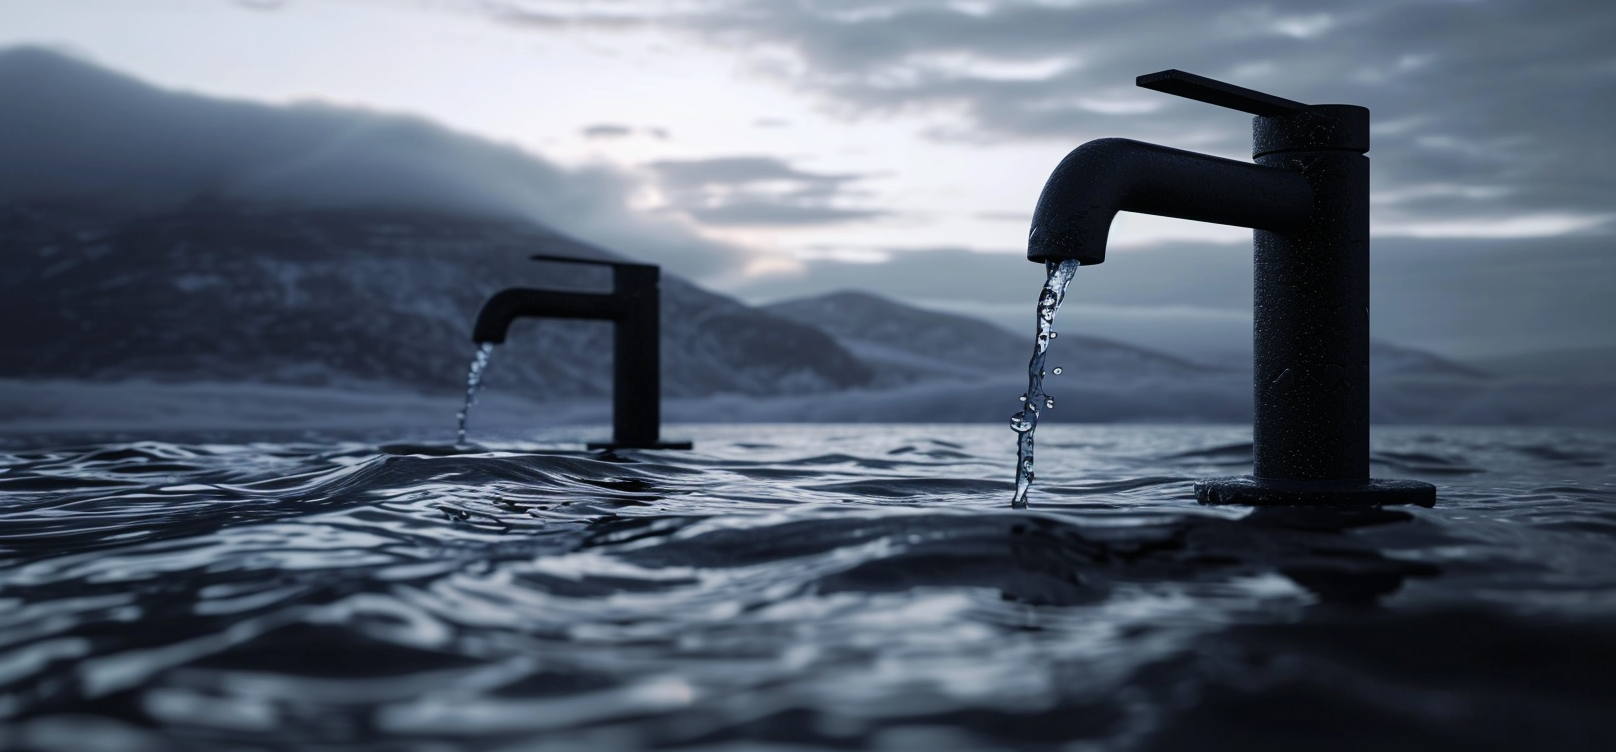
1310	328
1322	127
635	306
1100	178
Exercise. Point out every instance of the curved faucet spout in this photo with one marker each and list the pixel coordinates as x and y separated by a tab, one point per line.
634	308
1103	177
509	305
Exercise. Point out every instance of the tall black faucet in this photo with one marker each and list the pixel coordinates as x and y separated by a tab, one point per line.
1307	199
634	306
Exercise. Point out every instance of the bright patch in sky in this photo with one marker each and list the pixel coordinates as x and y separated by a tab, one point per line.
1524	226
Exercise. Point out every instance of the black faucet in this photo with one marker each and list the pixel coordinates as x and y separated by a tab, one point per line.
1307	198
634	306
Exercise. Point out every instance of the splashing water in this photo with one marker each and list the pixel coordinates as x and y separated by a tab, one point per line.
1025	422
474	384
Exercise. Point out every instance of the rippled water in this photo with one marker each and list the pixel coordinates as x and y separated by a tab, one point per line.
790	587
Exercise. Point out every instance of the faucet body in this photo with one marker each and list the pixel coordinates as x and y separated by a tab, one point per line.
634	307
1306	198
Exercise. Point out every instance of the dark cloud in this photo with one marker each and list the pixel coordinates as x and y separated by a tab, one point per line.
1516	95
756	213
607	130
617	130
755	190
1483	109
71	130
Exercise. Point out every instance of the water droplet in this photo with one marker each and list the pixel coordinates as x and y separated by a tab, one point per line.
1053	335
1049	402
474	378
1023	398
1059	370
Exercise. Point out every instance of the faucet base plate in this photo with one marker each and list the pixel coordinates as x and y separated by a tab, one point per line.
659	444
1269	492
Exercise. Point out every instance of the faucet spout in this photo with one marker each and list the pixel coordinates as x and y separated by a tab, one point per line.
1108	175
509	305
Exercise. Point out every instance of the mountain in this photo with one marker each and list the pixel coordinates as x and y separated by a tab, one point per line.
342	296
1582	364
1389	360
905	344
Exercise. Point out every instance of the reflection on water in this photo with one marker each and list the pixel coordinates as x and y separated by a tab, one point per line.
790	587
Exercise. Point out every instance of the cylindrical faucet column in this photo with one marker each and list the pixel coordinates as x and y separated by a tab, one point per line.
637	352
1311	303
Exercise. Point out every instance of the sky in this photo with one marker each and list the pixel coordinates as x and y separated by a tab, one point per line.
774	149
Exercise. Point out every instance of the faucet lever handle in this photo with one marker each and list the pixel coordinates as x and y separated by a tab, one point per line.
1203	89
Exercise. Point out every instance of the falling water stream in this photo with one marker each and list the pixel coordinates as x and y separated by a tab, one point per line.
474	383
1025	422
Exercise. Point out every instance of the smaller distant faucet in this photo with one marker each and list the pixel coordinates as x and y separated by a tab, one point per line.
634	306
1307	198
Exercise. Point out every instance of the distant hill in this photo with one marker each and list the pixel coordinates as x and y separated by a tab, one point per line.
905	343
219	292
1582	364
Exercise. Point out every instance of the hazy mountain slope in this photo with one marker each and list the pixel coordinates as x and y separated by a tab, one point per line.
74	130
909	343
1582	364
1389	360
310	297
71	130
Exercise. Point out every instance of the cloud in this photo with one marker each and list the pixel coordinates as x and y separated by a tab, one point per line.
75	131
607	130
756	191
617	130
1514	97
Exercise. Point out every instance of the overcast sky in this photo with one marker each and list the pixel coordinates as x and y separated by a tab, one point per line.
900	146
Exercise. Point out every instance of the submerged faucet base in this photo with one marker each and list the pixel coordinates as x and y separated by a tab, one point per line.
1268	492
658	444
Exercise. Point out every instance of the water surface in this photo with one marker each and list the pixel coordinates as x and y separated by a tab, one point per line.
798	587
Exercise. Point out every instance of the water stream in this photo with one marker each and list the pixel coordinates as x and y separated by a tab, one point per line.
474	384
1025	422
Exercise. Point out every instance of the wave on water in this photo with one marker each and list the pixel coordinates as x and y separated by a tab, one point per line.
794	587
